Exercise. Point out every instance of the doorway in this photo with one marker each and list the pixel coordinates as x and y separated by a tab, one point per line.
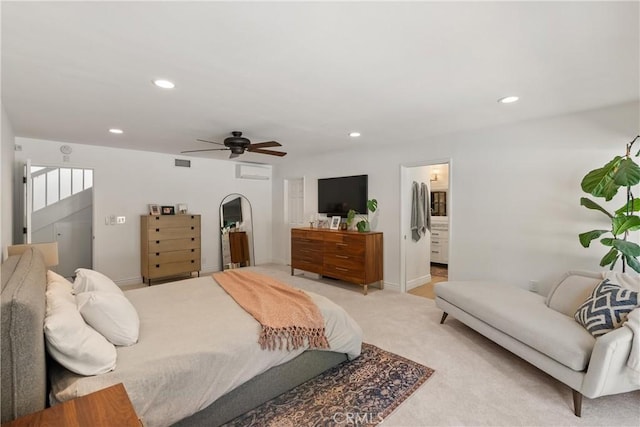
293	210
58	207
425	258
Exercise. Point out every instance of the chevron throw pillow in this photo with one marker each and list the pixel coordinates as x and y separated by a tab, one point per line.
607	308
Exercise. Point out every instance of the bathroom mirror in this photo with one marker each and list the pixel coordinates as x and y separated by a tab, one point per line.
236	232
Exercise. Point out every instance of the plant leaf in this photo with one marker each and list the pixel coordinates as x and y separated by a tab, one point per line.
624	223
633	205
590	204
372	205
607	241
633	263
627	248
627	173
586	238
600	183
610	257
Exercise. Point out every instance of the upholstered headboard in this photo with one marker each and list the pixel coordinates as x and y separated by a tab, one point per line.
23	373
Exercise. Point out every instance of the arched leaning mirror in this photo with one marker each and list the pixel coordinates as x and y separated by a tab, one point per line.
236	232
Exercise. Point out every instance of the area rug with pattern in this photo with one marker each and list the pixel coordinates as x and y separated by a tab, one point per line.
361	392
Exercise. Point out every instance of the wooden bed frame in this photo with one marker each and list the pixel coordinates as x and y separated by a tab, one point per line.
23	357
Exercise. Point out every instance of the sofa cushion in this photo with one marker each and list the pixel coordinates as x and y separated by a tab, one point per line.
574	288
524	316
607	308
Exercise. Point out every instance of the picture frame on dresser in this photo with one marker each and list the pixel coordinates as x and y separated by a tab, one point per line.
335	223
154	209
168	210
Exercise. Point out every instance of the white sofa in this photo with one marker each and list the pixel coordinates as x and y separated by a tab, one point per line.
543	331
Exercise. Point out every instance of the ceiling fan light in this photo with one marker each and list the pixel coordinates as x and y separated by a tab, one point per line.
164	84
354	134
116	131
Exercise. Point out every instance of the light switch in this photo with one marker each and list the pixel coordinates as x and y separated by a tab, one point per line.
120	220
112	220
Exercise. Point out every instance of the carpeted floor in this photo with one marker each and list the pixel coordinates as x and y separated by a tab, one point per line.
477	382
363	392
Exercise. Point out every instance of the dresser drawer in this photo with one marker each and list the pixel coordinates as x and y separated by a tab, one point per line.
160	233
344	249
173	221
173	268
305	235
174	244
353	275
306	255
174	256
313	267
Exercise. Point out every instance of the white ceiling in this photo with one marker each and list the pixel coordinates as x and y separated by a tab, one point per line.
306	74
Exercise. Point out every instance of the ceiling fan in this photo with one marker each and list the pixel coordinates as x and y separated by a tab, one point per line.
238	144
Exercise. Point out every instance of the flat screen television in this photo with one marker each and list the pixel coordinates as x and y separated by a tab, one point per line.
336	196
232	211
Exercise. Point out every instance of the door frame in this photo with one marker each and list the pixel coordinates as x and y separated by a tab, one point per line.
287	216
24	182
405	200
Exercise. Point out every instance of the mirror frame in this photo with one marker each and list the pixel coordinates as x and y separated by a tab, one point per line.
252	257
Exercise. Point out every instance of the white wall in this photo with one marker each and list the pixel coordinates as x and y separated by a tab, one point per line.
126	181
6	188
515	193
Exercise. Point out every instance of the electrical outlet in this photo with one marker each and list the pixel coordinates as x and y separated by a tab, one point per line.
120	220
533	285
112	220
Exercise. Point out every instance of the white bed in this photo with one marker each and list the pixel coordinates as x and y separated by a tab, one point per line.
196	344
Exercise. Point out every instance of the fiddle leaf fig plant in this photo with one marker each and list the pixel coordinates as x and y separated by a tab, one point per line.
604	182
362	225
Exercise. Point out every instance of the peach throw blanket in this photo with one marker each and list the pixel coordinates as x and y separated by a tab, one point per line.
288	316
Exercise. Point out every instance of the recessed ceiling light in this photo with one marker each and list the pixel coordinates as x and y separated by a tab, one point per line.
164	84
116	131
354	134
508	99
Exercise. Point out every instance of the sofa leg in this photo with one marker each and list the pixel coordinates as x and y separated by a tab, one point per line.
577	403
444	316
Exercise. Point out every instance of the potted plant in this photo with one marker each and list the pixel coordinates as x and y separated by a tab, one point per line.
604	182
362	225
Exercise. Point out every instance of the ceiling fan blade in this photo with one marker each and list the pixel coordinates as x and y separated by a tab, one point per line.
270	152
210	142
266	144
208	149
233	155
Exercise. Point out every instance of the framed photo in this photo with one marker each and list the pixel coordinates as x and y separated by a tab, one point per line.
335	223
182	208
168	210
154	209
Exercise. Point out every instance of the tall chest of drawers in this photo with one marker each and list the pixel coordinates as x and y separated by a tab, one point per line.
169	245
346	255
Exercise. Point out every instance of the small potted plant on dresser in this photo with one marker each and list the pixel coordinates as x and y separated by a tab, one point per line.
363	225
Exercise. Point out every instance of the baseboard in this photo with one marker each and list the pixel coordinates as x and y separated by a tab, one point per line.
395	287
414	283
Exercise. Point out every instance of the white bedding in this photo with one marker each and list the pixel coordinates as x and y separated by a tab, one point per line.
196	344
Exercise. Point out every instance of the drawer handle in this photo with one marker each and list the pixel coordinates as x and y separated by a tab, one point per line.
342	244
193	250
157	241
193	228
342	256
157	253
192	261
193	217
157	230
342	269
304	240
193	238
435	252
157	265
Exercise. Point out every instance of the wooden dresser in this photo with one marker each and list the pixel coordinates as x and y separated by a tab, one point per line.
169	245
235	249
346	255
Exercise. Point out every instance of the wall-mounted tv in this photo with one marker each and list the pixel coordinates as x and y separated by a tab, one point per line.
232	212
336	196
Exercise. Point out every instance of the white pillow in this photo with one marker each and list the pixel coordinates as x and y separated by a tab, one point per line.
73	343
110	314
90	280
54	279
